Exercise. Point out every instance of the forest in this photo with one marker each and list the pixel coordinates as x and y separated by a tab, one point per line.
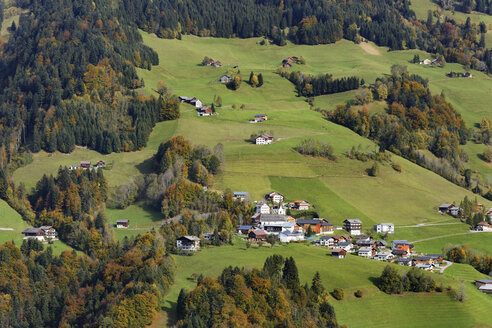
271	297
308	85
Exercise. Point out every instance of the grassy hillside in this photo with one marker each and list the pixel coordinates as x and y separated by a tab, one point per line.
375	309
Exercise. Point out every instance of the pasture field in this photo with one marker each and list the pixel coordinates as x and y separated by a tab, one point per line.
142	219
375	309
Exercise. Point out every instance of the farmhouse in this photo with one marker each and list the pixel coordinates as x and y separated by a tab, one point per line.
244	229
42	233
122	223
483	226
85	164
257	235
204	111
400	253
240	195
424	266
455	210
318	226
484	285
275	197
188	243
444	208
384	228
191	100
404	261
278	210
275	223
338	253
300	205
261	117
288	236
264	139
225	79
353	226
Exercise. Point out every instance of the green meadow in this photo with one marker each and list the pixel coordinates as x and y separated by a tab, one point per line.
375	309
337	189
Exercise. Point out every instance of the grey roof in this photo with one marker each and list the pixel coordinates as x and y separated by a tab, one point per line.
365	249
312	221
401	242
345	243
272	217
446	205
484	281
388	224
382	242
244	227
31	230
241	193
190	238
326	237
292	233
352	221
122	221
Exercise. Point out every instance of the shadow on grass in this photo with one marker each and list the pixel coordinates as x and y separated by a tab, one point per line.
170	309
146	166
374	280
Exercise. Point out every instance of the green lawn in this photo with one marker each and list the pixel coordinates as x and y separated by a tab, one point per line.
141	219
375	309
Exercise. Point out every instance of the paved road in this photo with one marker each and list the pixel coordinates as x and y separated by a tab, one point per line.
443	236
446	265
428	225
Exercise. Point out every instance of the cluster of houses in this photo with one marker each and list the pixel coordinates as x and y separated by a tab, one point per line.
264	139
86	165
454	74
287	62
259	118
214	63
201	110
43	233
483	226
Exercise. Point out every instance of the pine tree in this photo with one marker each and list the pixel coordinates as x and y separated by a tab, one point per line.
290	274
317	287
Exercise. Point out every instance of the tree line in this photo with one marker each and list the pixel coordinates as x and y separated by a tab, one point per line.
274	293
308	85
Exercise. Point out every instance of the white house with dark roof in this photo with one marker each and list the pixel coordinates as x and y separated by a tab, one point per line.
384	228
353	226
262	208
264	139
240	195
275	197
484	285
188	243
288	236
365	252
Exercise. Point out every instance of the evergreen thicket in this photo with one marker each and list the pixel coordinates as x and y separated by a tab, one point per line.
277	299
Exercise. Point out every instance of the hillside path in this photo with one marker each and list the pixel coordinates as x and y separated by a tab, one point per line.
443	236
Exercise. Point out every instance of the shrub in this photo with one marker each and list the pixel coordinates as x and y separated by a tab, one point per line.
397	167
374	170
338	294
313	147
487	154
359	293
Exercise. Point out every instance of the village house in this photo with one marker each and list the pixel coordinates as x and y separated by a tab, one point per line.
367	252
353	226
275	223
209	236
426	62
288	236
192	101
455	210
380	244
122	223
331	241
338	253
483	226
240	195
365	243
489	213
384	228
318	226
262	208
257	235
85	164
188	243
484	285
225	79
432	259
275	197
400	253
264	139
404	261
402	245
42	233
384	256
423	266
346	246
244	229
300	205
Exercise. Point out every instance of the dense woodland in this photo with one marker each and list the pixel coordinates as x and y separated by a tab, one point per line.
121	289
417	125
66	78
308	85
271	297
